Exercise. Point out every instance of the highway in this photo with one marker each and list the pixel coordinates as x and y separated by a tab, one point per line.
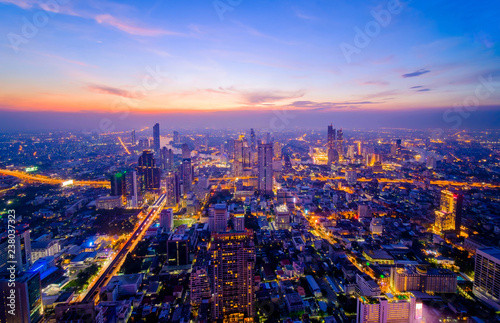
120	256
48	180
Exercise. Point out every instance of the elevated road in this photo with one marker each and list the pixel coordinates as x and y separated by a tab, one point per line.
121	255
49	180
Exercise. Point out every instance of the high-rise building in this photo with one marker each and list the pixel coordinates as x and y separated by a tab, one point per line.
133	185
400	309
233	263
217	218
133	137
156	138
253	140
340	143
265	175
147	170
186	152
167	219
22	256
487	276
282	217
167	158
119	184
449	215
187	175
172	189
238	150
351	176
239	222
199	282
27	293
331	146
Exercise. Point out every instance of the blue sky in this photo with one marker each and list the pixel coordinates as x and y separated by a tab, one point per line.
249	55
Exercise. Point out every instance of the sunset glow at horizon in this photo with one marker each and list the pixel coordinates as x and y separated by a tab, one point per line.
203	56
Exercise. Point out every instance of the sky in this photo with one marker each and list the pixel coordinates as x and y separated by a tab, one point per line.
228	61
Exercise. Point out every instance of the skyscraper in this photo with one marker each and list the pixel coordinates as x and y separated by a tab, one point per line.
22	256
28	299
166	158
118	184
282	217
333	155
487	276
187	175
233	263
132	184
217	218
133	137
186	152
156	138
172	189
177	138
147	170
449	215
265	178
340	143
167	219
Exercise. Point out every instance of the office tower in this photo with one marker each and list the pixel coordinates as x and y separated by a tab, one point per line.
351	177
132	183
233	263
487	276
288	162
282	217
167	219
449	215
217	218
418	278
156	138
172	189
253	140
331	146
400	309
230	148
22	256
351	151
187	175
206	137
143	144
265	178
247	157
186	152
147	170
238	150
431	162
178	249
199	283
277	150
340	143
167	159
133	137
239	222
27	291
119	184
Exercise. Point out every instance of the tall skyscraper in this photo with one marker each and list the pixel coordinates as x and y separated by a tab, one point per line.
265	178
167	158
217	218
186	152
340	143
331	150
167	219
156	138
487	276
22	256
233	263
147	170
187	175
28	299
449	215
133	185
133	137
178	249
172	189
253	140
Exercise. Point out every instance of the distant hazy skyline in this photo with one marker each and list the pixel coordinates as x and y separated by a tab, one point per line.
321	61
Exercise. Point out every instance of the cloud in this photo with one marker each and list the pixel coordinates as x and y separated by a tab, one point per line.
112	21
102	89
423	90
416	73
376	82
264	96
24	4
317	106
302	15
416	87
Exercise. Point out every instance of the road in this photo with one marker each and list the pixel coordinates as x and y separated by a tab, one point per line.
121	255
48	180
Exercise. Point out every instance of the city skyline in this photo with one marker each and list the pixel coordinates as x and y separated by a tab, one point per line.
333	60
